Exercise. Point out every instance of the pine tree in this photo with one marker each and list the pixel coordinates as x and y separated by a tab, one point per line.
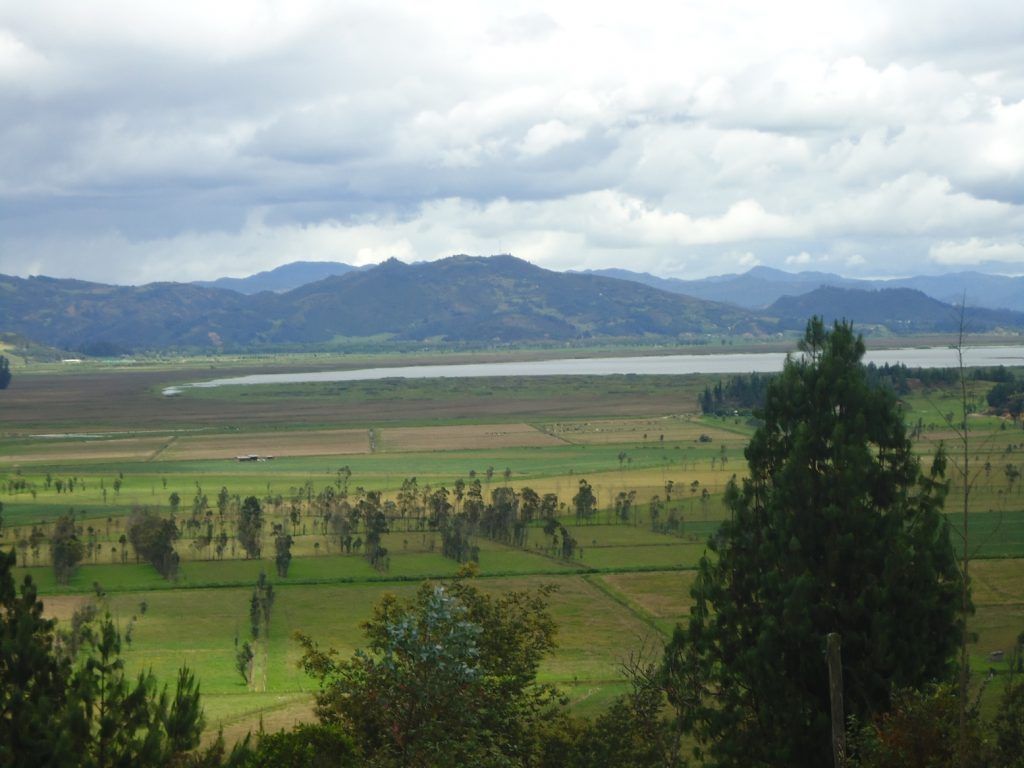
33	679
60	711
836	530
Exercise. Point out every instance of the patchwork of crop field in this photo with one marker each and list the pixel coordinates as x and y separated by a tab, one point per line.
657	468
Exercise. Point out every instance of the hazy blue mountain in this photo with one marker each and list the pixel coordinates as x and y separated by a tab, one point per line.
755	289
901	310
761	286
283	278
981	290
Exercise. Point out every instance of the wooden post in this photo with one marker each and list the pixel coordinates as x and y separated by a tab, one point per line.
835	685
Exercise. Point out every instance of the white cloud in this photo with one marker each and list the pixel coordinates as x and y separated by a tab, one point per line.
689	137
912	204
977	251
544	137
18	62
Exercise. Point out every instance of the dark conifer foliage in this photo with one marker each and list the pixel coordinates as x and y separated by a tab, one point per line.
836	530
78	709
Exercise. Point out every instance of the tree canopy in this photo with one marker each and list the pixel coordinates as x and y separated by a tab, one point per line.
837	529
66	548
448	676
152	537
250	527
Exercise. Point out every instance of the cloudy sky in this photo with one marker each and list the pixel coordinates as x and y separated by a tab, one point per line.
179	140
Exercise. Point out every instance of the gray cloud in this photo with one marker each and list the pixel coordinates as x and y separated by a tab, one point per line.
186	141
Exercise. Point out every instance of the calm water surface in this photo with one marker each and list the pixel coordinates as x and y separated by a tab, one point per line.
761	362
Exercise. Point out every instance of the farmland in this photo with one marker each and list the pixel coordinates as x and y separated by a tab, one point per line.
104	443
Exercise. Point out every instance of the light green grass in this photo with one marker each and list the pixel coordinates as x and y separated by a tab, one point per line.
625	558
198	628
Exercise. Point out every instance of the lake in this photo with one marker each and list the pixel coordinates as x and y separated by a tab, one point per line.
761	362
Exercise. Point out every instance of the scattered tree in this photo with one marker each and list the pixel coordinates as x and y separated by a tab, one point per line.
376	525
250	527
260	606
243	661
223	498
66	549
584	502
283	551
152	537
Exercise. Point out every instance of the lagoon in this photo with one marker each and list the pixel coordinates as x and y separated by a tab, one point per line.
760	362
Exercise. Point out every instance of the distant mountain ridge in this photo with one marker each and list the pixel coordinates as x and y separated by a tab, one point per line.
280	279
458	299
760	287
900	310
502	297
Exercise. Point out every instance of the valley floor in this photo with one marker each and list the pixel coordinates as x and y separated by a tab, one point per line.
102	443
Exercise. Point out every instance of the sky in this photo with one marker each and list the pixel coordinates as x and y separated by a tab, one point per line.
145	141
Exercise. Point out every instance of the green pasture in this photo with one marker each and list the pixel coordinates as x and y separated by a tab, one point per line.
621	593
601	619
199	627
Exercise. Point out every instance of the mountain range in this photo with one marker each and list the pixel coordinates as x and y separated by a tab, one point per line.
759	287
283	278
457	300
898	310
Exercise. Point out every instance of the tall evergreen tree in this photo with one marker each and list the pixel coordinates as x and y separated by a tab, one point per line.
33	679
836	530
60	711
